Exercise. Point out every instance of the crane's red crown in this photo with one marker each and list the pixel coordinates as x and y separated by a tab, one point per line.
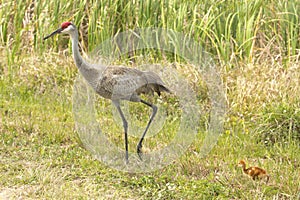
65	25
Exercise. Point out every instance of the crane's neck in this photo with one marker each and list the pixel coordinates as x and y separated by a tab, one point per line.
90	72
75	50
244	167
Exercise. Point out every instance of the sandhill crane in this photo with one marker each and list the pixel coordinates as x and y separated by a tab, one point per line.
116	83
254	172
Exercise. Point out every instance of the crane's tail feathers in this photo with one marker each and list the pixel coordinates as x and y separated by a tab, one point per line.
162	88
156	83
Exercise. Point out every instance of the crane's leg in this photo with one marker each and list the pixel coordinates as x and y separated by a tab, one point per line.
154	110
125	125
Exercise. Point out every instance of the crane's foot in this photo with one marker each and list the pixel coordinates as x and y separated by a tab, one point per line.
139	150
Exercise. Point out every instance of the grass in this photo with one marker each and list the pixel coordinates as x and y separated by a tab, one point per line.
256	48
41	156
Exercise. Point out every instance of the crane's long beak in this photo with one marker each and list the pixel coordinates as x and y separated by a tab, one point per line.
54	33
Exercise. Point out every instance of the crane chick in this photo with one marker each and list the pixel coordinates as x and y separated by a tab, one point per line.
254	172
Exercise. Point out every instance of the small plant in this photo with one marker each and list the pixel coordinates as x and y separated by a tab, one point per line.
281	124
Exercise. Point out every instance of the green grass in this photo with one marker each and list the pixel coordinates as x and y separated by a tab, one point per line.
42	157
256	48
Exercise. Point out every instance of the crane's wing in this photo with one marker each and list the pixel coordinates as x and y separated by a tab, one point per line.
127	83
120	83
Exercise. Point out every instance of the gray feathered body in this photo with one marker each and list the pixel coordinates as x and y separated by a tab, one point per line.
122	83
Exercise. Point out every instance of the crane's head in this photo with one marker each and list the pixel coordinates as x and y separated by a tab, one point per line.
66	27
242	163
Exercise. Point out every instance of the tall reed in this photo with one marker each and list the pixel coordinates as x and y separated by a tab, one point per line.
232	30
